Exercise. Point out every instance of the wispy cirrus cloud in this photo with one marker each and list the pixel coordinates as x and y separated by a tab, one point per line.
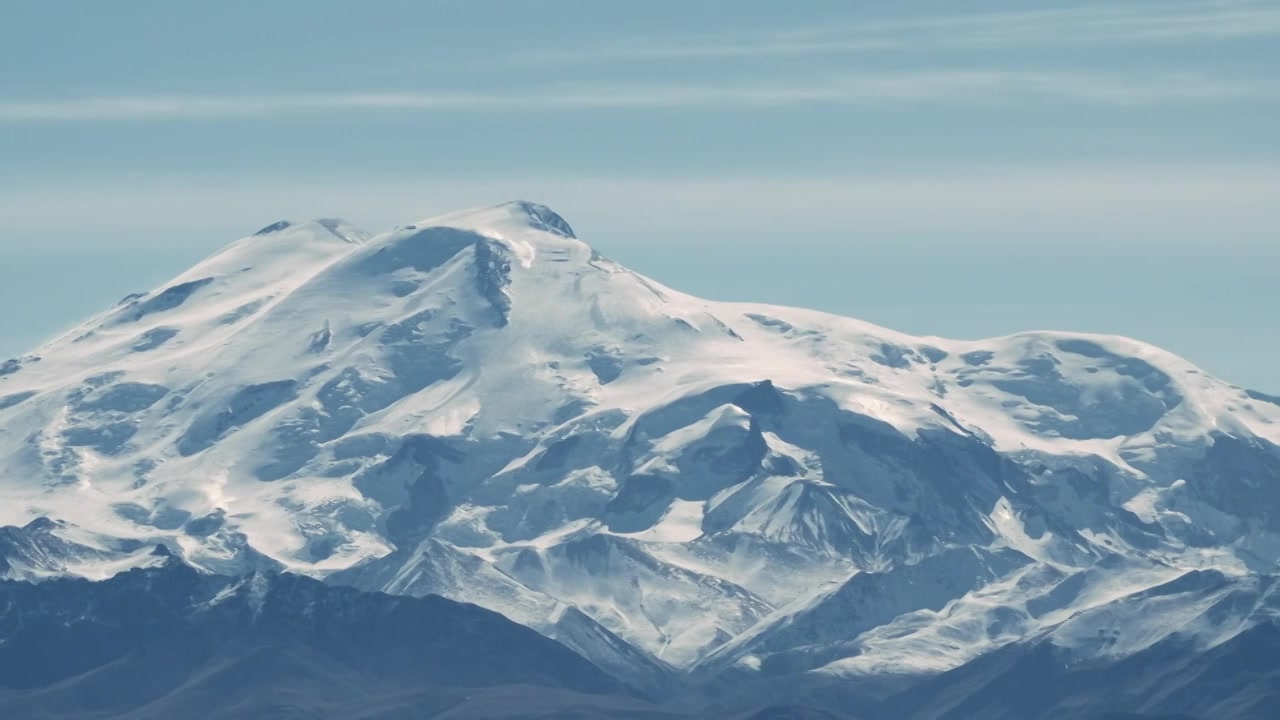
978	85
1091	25
956	79
1101	206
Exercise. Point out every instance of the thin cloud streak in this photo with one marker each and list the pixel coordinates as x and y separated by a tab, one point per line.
1062	27
1103	206
990	86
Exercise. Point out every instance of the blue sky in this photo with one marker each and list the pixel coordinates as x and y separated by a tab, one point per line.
965	170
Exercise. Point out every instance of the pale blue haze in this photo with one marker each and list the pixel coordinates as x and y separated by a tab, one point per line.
963	171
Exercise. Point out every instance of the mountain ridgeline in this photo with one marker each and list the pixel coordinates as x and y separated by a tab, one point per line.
672	506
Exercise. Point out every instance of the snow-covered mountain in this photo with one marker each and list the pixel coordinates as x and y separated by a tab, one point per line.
481	406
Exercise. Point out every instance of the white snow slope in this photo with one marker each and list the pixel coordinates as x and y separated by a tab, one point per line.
479	405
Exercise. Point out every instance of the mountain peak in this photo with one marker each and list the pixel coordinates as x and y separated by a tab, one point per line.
544	218
320	228
512	216
274	228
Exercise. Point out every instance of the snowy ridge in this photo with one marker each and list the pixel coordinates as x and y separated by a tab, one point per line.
482	406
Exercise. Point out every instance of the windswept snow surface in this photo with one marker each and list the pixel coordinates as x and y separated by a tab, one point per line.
481	406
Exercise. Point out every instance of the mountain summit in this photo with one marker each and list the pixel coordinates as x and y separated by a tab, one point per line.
482	406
